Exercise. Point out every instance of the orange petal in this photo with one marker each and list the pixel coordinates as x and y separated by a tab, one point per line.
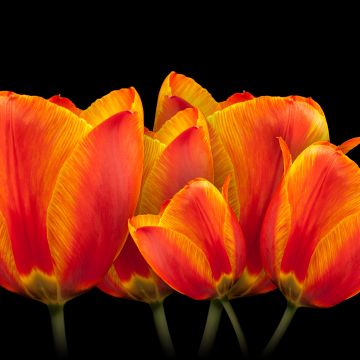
235	98
286	155
187	157
113	103
6	93
350	144
333	274
248	131
36	137
95	194
316	210
66	103
187	89
176	259
169	107
180	122
201	213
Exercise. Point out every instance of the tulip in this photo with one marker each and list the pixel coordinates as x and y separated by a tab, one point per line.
179	92
68	183
177	153
195	244
310	237
243	132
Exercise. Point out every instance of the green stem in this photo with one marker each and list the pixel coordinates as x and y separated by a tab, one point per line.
211	327
236	326
162	328
280	330
58	328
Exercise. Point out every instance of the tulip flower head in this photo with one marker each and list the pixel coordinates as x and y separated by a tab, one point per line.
310	237
69	182
195	244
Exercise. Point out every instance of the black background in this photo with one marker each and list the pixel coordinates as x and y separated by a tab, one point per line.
88	59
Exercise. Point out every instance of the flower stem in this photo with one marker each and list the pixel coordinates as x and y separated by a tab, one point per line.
211	327
280	330
58	328
236	326
162	328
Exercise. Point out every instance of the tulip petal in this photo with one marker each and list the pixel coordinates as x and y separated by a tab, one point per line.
113	103
36	137
333	273
187	89
223	167
350	144
201	213
169	107
187	157
321	181
152	151
96	192
176	259
235	98
248	131
180	122
66	103
9	278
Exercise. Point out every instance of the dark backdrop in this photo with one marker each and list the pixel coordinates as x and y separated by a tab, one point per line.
85	65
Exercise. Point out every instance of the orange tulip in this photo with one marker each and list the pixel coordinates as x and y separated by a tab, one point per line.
179	92
195	244
243	132
68	183
310	237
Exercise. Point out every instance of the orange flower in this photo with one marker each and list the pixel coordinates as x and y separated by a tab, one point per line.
310	236
195	244
177	153
243	132
69	182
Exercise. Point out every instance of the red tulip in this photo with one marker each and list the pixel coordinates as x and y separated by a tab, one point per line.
68	184
195	244
68	189
310	237
197	247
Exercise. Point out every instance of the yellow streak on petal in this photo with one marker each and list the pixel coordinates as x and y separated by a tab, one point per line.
223	167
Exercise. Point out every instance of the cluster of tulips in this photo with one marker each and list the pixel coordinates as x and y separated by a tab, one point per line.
220	200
